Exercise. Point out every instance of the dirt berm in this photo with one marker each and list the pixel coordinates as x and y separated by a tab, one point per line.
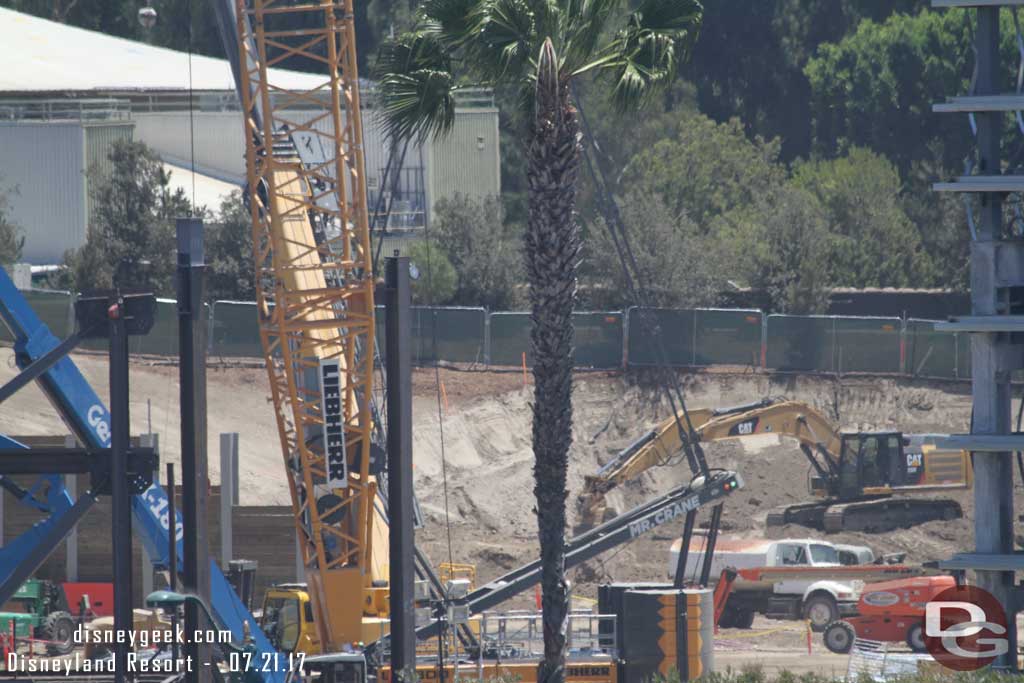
490	485
487	456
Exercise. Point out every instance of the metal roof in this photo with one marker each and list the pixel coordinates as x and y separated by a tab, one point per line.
45	56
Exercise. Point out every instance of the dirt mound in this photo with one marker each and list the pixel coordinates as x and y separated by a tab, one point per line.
490	484
486	468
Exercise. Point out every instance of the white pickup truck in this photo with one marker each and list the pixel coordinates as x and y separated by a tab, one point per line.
793	578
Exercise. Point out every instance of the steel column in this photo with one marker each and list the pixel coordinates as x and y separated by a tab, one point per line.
194	475
172	553
121	502
400	485
228	494
993	472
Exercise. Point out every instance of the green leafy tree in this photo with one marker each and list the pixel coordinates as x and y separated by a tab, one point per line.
875	87
131	230
11	239
538	50
780	247
437	280
483	248
113	17
941	221
665	116
707	169
681	266
749	62
229	252
873	243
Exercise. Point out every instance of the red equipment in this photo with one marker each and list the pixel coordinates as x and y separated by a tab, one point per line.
100	599
722	591
890	611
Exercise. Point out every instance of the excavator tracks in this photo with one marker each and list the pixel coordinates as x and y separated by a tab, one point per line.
875	515
811	515
888	514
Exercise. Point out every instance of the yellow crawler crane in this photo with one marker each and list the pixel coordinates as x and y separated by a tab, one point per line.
314	290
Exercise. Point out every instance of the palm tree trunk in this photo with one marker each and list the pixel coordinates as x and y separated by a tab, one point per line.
552	252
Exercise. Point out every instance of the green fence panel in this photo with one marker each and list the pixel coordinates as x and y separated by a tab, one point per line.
448	334
510	338
800	343
162	340
235	331
598	339
867	345
727	337
52	307
929	353
676	331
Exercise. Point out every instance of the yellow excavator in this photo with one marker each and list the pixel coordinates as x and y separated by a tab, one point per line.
859	478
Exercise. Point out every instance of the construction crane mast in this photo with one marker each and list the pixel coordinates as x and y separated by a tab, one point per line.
314	290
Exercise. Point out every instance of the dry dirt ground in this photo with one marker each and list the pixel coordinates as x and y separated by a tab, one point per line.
473	459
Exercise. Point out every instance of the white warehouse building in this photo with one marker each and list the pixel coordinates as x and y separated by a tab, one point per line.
66	93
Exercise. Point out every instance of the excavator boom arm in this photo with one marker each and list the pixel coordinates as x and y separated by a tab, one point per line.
819	440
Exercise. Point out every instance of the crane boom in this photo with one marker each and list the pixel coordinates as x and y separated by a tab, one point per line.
665	509
314	292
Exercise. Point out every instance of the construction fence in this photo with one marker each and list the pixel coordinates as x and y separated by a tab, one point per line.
634	338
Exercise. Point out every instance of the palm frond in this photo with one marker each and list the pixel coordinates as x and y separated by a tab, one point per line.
417	86
453	20
584	23
506	40
657	38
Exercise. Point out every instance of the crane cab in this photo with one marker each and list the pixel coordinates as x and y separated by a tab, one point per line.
287	619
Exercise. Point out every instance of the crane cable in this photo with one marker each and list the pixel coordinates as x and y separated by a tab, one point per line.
638	290
380	203
437	390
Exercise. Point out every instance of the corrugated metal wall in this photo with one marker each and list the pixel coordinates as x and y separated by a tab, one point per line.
453	164
219	141
98	138
43	164
467	161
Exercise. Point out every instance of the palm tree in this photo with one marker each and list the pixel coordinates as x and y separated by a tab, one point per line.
538	47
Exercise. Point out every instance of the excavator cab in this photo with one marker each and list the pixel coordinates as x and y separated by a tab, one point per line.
871	463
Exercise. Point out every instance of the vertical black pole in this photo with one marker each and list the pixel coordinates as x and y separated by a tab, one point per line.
192	350
684	549
709	548
121	511
172	552
398	355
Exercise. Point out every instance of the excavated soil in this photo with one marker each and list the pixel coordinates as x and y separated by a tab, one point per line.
483	484
489	476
